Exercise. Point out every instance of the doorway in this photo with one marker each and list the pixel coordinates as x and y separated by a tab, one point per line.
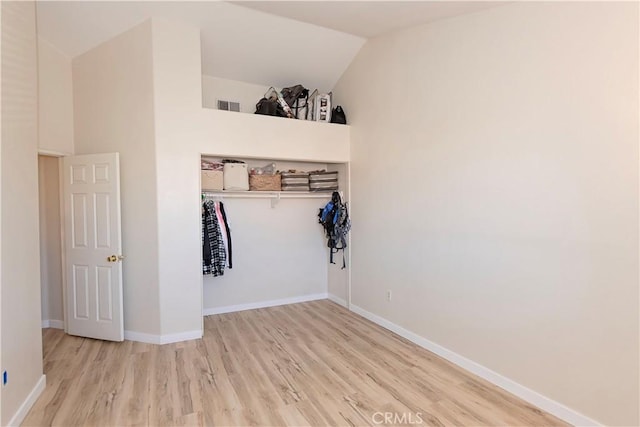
51	275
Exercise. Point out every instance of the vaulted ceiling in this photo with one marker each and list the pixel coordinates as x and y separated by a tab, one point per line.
368	18
275	43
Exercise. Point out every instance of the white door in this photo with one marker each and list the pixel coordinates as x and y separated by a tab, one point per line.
93	246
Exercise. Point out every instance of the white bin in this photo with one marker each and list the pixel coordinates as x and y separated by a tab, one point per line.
236	177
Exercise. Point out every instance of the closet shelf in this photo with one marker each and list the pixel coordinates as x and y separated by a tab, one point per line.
273	196
268	194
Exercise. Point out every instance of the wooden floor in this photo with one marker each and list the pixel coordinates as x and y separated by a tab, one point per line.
313	363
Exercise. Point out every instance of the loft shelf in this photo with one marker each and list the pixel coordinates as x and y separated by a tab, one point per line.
230	134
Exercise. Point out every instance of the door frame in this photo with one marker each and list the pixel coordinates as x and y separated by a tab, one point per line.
63	258
58	155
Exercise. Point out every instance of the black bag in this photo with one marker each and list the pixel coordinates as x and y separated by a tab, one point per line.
290	94
338	116
270	107
273	105
297	97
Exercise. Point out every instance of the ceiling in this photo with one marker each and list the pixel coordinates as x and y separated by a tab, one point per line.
277	43
368	18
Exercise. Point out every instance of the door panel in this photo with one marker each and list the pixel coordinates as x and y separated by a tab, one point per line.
104	291
102	230
79	220
93	246
81	291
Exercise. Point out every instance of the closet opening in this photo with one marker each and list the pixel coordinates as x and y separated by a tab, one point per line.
51	272
280	253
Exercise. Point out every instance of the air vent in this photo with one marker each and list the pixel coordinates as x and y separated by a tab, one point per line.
228	105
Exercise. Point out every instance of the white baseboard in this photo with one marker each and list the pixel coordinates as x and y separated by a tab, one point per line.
23	410
546	404
56	324
162	339
337	300
182	336
262	304
141	337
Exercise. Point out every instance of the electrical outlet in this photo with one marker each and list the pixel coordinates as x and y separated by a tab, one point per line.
5	378
389	295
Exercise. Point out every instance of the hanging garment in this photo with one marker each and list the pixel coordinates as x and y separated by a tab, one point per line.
207	256
228	230
223	229
213	250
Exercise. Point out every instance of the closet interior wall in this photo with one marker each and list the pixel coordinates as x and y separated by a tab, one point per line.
279	253
339	278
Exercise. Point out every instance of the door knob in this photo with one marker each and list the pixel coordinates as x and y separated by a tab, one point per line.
115	258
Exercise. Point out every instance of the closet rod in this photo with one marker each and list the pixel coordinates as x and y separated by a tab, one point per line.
266	195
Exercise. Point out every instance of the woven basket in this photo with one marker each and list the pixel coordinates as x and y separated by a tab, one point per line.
265	182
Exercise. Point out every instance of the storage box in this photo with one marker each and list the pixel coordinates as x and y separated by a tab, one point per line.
323	181
264	182
295	181
212	180
236	177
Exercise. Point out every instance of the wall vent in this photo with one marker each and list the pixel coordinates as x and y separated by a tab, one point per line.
228	105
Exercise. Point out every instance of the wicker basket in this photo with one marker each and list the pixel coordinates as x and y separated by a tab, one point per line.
212	180
265	182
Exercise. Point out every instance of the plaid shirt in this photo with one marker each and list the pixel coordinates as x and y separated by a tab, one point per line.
214	255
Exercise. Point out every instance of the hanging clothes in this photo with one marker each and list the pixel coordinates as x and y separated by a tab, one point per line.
223	229
228	230
213	247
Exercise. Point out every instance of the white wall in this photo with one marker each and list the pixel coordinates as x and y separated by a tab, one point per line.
21	340
278	253
247	94
50	243
55	100
141	94
178	92
113	108
1	133
184	131
509	232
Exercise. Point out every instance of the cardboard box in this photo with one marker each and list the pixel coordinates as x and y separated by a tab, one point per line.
212	180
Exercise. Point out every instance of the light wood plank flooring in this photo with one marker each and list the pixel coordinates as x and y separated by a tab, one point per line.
312	363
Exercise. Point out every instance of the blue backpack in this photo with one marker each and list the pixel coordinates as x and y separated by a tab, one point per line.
334	218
